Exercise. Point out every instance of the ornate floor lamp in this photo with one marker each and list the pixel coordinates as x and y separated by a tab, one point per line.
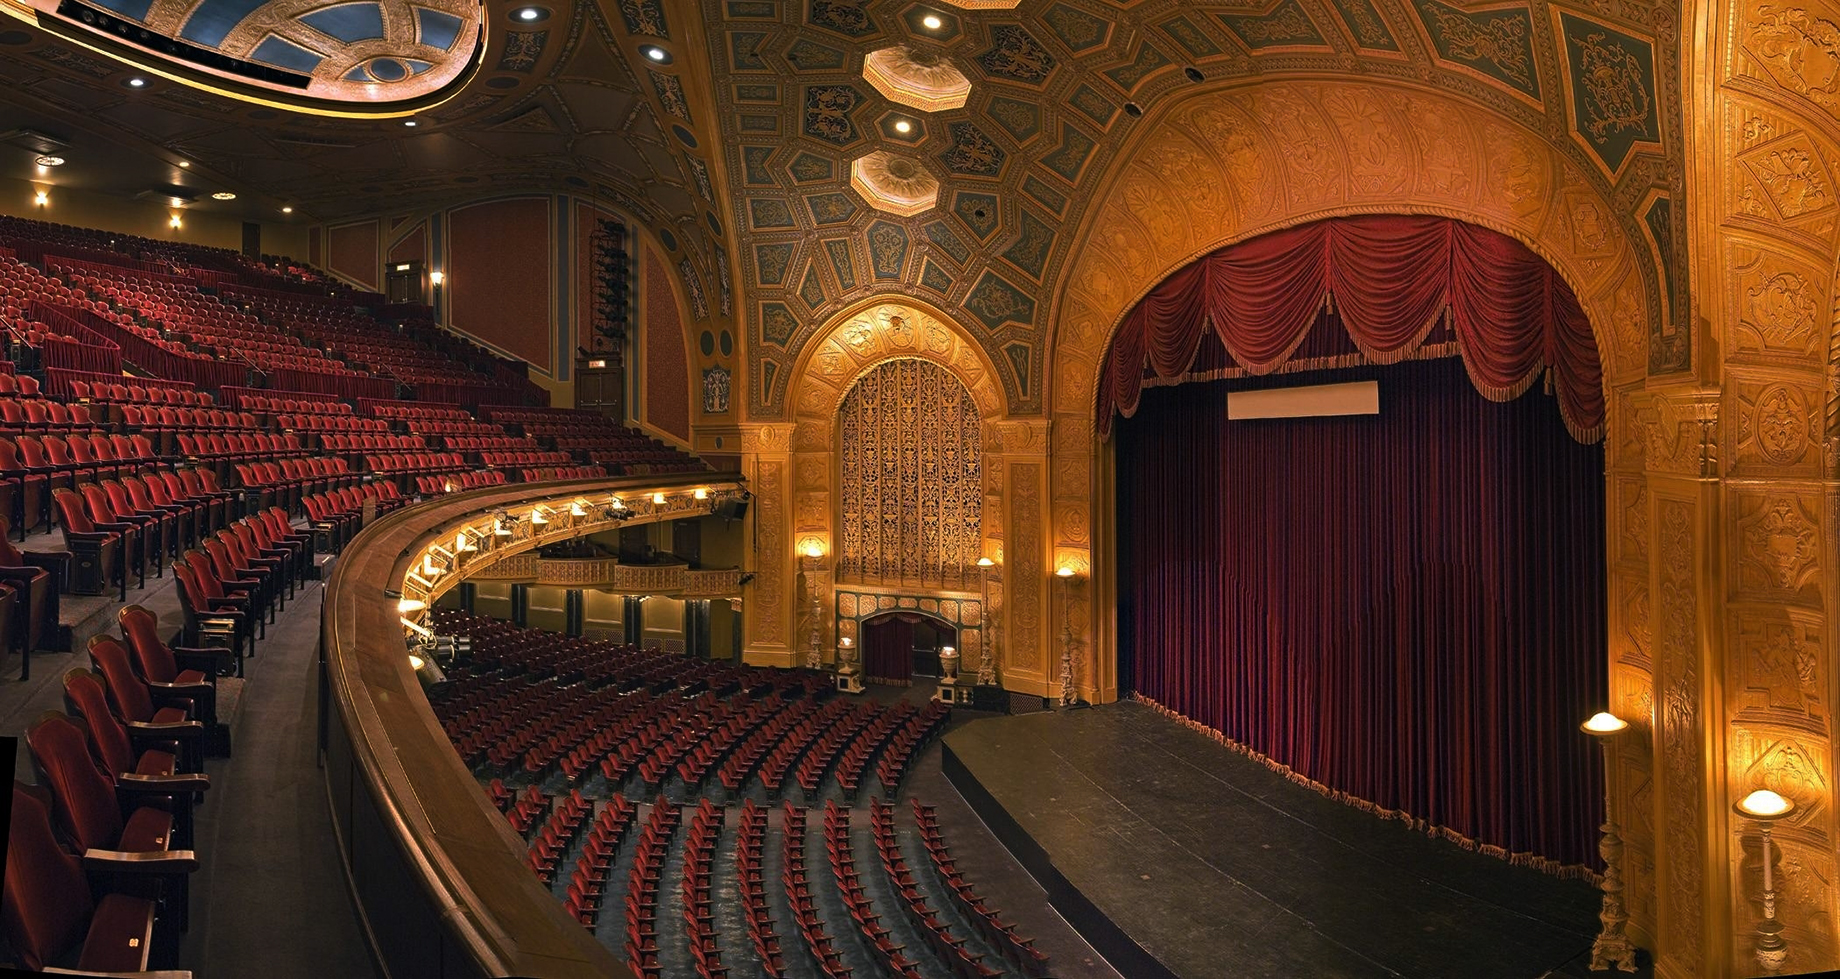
1767	807
808	560
1066	574
1612	946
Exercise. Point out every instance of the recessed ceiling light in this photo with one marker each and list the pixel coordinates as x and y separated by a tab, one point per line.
903	126
185	165
178	202
932	22
655	53
409	122
528	13
223	195
49	161
137	83
287	210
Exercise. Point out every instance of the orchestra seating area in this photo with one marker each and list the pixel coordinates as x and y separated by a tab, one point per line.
644	783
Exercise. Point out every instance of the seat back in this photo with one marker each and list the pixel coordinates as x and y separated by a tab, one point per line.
126	690
86	696
31	451
121	499
75	516
142	630
82	797
101	509
47	902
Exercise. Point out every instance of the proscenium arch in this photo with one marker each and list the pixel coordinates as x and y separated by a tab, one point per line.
1231	163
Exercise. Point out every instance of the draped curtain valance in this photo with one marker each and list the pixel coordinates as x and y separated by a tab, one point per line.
1391	279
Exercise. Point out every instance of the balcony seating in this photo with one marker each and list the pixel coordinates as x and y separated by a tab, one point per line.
28	491
117	749
180	669
52	914
190	703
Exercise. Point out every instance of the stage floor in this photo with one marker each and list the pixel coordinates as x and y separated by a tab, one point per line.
1175	856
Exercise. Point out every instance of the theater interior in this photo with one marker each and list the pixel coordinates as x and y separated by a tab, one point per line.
937	489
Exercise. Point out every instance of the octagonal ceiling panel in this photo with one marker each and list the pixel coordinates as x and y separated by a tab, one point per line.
358	52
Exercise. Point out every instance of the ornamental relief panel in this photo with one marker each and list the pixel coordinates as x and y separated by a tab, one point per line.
1025	566
1632	500
1789	765
1779	548
770	554
1782	678
1678	675
1779	426
1780	307
1679	433
1794	45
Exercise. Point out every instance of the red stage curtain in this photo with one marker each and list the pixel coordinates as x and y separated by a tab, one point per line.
1390	278
888	648
1407	608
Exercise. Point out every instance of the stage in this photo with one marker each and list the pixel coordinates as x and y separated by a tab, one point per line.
1175	856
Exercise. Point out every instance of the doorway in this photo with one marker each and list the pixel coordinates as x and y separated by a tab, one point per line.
898	646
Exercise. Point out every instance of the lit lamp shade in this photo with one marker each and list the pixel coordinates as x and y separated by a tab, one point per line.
1604	724
1764	805
985	562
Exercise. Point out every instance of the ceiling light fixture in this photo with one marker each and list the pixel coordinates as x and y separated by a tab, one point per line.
49	161
409	122
223	195
137	83
528	14
185	164
903	126
287	210
932	22
178	202
655	53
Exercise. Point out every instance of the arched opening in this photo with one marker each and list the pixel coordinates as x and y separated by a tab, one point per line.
1391	603
898	646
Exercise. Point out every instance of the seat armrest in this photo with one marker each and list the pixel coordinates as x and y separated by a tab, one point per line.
159	863
166	731
25	575
129	782
150	974
180	690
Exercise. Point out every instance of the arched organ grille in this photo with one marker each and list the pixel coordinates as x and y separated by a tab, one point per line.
912	486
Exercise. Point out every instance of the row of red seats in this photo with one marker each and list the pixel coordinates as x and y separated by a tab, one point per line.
750	858
398	463
149	391
817	761
284	482
431	485
35	468
741	765
1001	934
889	956
798	894
294	404
557	835
744	718
445	426
524	458
168	416
862	749
642	890
125	804
20	416
699	908
949	947
335	517
588	883
780	761
550	474
332	423
531	805
907	741
372	443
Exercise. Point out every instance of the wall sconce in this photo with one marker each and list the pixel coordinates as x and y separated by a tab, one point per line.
174	221
41	198
658	499
437	278
1767	807
811	547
